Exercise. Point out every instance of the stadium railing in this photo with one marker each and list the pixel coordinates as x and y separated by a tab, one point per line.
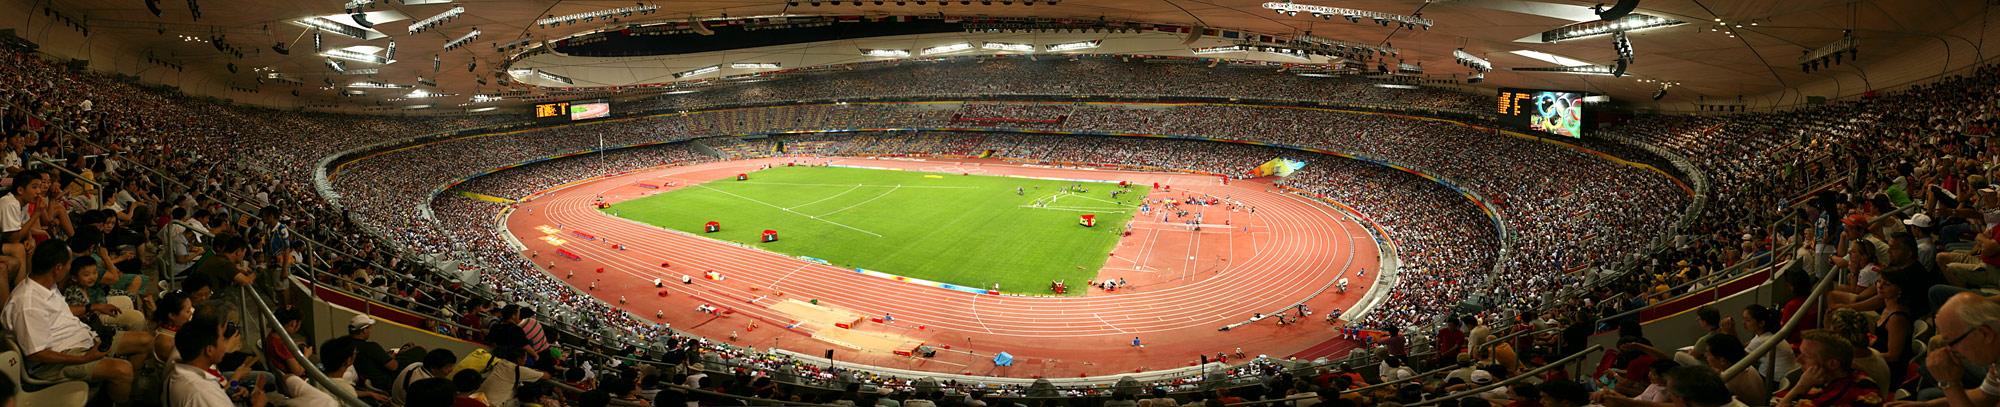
1537	372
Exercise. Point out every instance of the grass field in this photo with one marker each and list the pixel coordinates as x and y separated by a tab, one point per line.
968	230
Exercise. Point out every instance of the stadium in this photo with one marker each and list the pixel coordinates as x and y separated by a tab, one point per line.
1110	203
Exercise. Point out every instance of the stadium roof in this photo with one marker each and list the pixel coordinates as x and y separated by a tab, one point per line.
1710	57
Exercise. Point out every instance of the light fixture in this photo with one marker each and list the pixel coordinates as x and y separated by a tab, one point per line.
1004	46
754	65
1072	46
1217	49
1629	23
888	53
698	71
947	48
436	20
468	37
641	9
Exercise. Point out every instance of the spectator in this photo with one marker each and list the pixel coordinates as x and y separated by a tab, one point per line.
290	320
57	345
1696	386
337	356
1724	352
467	383
431	392
225	267
1968	326
1761	322
374	365
1563	393
507	374
436	363
1830	379
195	383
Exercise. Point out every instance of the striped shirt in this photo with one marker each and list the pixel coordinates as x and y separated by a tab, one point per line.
536	340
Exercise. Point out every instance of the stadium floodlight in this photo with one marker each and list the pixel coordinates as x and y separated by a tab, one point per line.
355	56
754	65
336	66
377	85
1292	9
1072	46
468	37
642	9
336	28
698	71
554	77
1007	46
1629	23
1217	50
484	98
887	53
947	48
482	109
1474	61
436	20
1580	70
521	72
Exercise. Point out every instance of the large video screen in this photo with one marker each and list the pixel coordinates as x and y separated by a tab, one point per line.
575	110
1554	112
589	110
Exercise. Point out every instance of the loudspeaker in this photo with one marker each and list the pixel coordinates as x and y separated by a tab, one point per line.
1659	93
1620	70
154	6
362	20
1617	11
281	49
829	354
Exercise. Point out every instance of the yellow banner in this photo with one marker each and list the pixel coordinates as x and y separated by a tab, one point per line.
483	197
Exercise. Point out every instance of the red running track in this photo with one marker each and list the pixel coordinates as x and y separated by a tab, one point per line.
1184	285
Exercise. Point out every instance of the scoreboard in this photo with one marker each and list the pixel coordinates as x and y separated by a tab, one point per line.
548	110
573	110
1552	112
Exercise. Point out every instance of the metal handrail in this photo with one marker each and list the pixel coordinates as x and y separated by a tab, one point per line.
665	386
312	371
1511	380
1791	325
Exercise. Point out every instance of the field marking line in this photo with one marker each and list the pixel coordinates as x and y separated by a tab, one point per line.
789	210
846	185
774	283
856	186
1066	209
975	314
1100	318
1095	199
891	191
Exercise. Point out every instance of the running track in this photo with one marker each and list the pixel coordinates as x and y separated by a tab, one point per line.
1187	284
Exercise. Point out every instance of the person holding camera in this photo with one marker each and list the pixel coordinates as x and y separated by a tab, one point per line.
195	382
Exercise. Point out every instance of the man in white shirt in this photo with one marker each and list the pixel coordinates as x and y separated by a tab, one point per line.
57	345
195	382
507	374
437	363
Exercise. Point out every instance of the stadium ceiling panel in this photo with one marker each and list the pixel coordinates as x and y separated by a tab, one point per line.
1710	56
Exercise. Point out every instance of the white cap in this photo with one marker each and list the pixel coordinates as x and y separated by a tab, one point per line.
1482	377
359	322
1918	220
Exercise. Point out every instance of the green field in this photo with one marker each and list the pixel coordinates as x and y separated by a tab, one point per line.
970	230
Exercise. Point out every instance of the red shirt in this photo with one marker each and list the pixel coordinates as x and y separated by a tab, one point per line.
467	402
1636	371
1792	308
276	347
